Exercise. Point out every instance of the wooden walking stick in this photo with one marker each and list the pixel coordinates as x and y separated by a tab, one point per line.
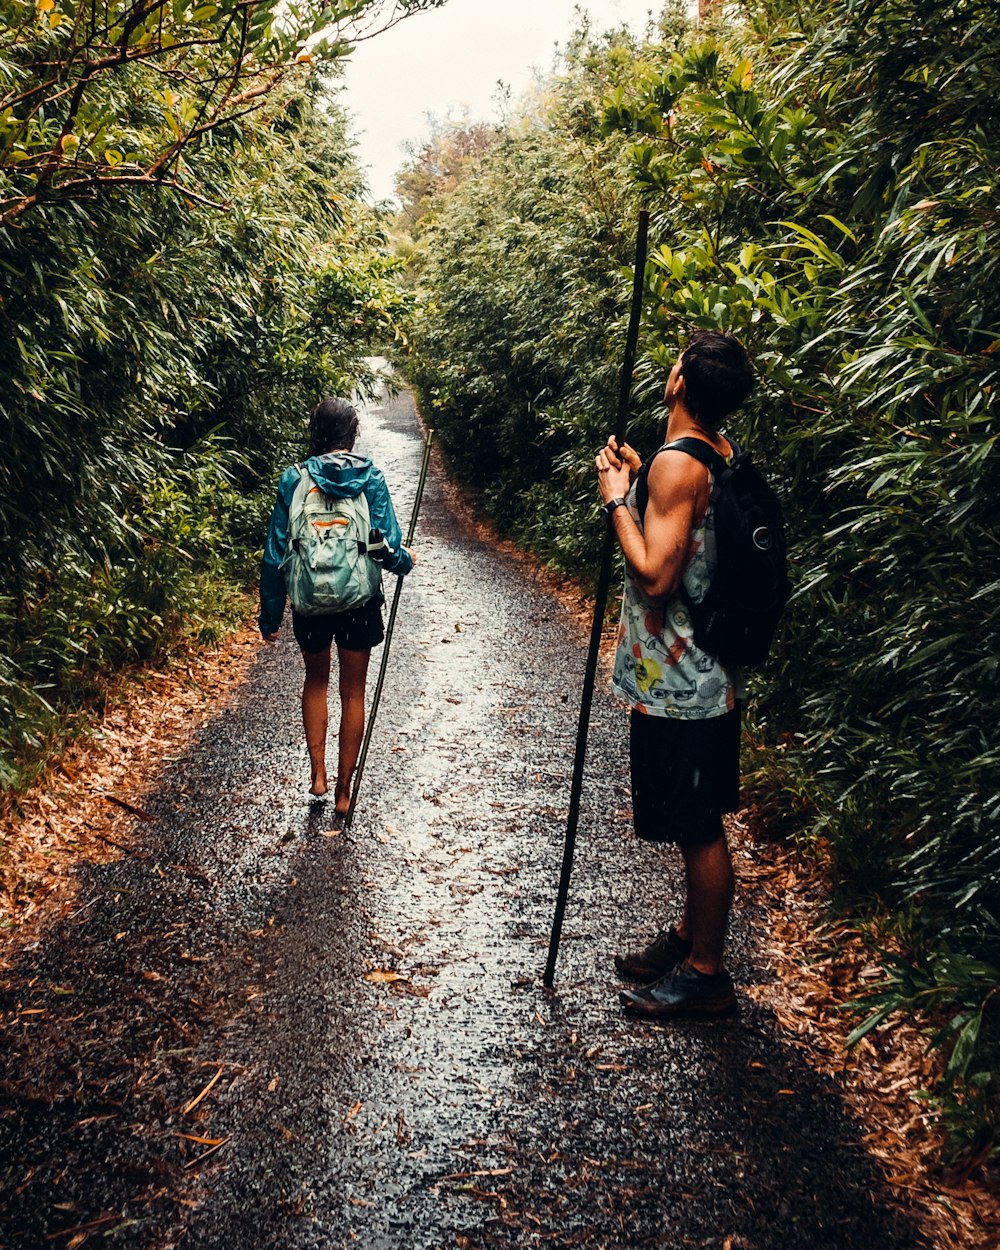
603	584
388	635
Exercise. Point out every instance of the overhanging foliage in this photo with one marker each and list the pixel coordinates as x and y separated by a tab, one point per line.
157	354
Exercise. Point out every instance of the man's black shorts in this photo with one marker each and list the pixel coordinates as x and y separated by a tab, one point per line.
358	629
685	774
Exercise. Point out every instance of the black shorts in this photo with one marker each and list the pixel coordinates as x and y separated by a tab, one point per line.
685	774
358	629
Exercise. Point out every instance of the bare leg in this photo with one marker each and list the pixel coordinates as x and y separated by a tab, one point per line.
709	871
353	672
314	716
683	926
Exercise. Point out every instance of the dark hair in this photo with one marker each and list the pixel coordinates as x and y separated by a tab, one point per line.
717	376
333	424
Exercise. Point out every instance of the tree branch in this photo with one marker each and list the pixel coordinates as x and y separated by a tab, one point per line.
82	186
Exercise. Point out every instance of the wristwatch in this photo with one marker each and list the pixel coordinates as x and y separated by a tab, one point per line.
610	506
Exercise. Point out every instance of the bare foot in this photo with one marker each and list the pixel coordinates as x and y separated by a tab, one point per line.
343	798
319	786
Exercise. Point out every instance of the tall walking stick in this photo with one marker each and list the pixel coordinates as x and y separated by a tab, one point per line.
388	634
603	583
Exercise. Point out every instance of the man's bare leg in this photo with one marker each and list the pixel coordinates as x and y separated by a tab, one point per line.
709	873
353	673
315	716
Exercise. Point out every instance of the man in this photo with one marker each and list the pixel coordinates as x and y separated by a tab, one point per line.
685	719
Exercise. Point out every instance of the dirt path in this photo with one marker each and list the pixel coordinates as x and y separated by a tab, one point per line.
210	1051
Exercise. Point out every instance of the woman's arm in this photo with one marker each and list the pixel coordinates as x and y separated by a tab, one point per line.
272	576
383	517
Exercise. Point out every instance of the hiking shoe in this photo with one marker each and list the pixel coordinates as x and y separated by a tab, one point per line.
665	952
684	991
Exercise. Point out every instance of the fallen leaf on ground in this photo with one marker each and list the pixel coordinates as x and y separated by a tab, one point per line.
195	1101
204	1155
464	1176
382	976
416	991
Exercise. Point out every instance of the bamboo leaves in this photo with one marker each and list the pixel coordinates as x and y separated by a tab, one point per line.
822	182
156	358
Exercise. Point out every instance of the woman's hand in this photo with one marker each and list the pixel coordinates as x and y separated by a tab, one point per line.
409	552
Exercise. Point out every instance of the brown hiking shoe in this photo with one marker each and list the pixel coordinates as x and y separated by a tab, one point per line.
662	955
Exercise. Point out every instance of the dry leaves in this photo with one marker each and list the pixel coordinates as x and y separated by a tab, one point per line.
384	976
821	967
96	790
195	1101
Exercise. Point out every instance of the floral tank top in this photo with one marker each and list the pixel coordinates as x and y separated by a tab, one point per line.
658	668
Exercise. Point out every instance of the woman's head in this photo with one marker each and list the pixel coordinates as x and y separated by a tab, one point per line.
333	426
717	376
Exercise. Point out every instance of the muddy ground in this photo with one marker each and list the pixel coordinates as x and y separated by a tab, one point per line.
246	950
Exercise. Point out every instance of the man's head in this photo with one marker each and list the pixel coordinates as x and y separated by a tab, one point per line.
712	376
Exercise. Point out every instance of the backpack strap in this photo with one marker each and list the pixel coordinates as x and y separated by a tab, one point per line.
696	447
293	542
700	450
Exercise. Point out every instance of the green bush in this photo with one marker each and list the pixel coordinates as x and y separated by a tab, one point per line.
822	181
161	342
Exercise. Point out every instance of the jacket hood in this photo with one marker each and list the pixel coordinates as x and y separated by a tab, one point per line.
340	474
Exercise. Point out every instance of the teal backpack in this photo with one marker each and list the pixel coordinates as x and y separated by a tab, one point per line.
327	566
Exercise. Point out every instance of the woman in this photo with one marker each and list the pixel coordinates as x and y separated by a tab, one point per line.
339	473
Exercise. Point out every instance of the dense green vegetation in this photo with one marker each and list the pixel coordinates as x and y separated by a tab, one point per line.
185	265
823	180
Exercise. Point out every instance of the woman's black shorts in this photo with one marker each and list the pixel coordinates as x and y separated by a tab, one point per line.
685	774
358	629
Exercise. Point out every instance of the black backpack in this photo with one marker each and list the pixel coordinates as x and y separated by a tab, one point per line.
737	618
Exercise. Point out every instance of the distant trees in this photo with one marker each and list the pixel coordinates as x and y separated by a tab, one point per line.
437	166
822	179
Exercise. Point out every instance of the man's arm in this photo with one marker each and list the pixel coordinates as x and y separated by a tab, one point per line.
678	497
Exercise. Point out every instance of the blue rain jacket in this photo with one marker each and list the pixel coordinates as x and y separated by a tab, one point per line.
342	475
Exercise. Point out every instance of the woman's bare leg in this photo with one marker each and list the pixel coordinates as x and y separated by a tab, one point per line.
315	716
353	672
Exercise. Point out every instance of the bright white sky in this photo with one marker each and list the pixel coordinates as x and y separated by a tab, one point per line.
449	60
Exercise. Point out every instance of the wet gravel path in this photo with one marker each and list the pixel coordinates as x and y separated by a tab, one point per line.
460	1105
